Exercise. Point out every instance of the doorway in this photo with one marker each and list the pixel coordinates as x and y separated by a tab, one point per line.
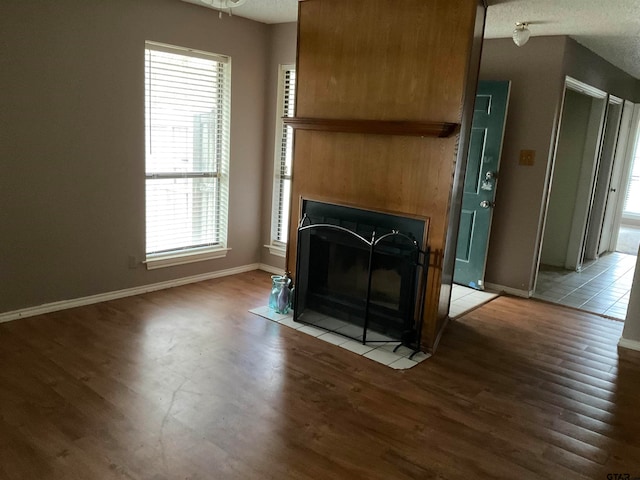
626	238
479	190
578	263
598	234
574	172
620	176
480	182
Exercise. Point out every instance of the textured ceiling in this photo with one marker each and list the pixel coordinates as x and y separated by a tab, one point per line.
610	28
265	11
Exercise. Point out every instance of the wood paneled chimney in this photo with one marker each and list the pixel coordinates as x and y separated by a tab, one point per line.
385	91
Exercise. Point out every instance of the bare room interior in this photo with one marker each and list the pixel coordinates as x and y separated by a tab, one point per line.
316	239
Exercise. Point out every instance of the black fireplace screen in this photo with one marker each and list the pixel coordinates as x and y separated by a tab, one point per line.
358	276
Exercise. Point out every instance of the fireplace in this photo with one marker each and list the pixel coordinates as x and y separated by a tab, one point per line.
358	273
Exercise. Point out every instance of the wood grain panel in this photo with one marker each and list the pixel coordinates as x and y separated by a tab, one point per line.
455	207
380	127
372	59
375	61
402	175
186	383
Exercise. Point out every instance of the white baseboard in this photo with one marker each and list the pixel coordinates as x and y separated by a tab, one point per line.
127	292
630	344
511	291
271	269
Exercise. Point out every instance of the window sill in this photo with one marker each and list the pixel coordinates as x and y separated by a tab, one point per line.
170	260
277	250
630	219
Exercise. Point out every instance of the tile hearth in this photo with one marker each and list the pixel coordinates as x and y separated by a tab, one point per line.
378	352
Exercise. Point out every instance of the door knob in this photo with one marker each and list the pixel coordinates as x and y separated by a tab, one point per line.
487	204
490	175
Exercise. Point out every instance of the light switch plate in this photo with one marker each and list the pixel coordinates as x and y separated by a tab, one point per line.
527	157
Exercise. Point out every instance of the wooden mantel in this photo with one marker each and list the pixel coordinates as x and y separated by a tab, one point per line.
381	116
377	127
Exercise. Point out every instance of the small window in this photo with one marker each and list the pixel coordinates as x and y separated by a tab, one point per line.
283	160
632	198
187	112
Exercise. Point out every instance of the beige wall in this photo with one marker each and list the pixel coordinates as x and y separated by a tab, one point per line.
282	51
631	330
72	141
584	65
537	73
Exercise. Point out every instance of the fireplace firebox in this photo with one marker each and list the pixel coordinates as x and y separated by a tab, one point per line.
359	273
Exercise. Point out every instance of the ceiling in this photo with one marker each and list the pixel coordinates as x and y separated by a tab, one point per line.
610	28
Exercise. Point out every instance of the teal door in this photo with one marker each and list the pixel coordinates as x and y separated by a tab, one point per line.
480	183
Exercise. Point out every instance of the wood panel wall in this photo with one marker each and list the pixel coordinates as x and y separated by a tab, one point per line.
389	61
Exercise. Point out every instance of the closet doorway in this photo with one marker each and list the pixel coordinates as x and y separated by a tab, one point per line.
574	175
579	265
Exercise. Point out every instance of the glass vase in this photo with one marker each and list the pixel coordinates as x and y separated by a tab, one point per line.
280	298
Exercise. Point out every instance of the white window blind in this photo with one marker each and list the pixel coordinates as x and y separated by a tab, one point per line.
632	198
187	150
283	157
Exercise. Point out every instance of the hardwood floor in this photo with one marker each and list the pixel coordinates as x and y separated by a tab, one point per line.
186	384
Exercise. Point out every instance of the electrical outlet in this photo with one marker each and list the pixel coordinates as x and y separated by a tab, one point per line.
133	261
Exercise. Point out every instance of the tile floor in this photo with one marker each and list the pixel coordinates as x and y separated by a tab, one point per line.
464	299
378	352
602	287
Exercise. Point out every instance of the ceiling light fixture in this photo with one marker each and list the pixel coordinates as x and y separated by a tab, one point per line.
521	34
223	5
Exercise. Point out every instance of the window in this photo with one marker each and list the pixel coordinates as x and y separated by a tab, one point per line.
283	159
632	198
187	111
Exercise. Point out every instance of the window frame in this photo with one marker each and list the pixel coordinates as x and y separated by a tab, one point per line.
632	186
218	171
276	245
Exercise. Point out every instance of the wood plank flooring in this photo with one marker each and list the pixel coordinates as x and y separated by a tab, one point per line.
186	384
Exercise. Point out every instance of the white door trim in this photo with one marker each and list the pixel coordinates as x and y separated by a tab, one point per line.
578	86
624	150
